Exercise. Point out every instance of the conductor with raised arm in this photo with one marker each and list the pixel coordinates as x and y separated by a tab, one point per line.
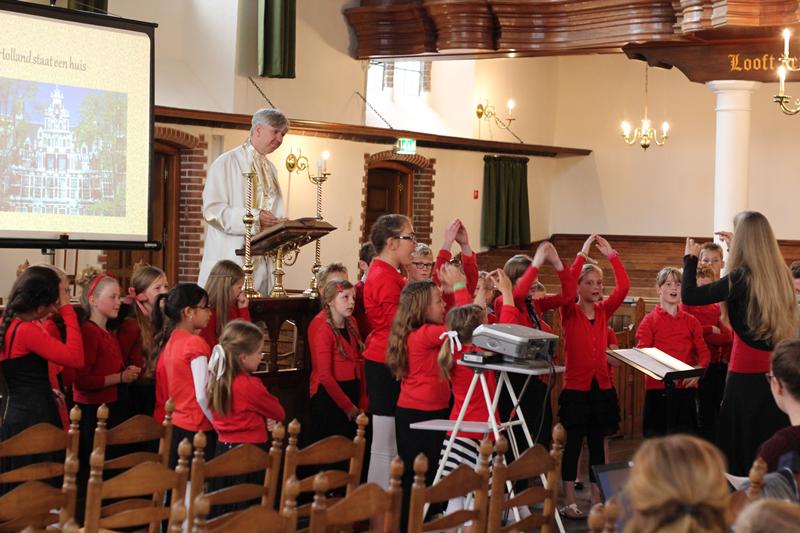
225	195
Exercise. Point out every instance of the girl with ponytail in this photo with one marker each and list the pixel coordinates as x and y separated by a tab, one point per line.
26	348
337	387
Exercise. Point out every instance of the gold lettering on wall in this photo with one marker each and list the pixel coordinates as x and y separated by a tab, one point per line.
745	63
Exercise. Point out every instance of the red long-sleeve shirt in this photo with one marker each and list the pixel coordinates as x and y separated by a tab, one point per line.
33	337
470	265
181	349
102	357
719	344
585	342
251	405
423	388
162	388
328	365
209	333
129	336
522	289
359	313
381	298
680	336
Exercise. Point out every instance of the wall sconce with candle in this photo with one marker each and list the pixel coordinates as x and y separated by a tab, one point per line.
297	162
487	112
788	64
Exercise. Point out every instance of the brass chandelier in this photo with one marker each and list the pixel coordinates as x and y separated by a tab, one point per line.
646	134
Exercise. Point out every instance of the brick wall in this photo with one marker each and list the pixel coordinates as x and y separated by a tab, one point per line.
193	176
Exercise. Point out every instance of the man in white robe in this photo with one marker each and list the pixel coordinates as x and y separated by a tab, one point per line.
225	195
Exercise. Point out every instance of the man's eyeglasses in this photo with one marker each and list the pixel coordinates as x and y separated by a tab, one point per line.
411	237
422	265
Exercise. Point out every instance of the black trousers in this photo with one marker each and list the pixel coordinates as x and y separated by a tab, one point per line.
412	442
572	451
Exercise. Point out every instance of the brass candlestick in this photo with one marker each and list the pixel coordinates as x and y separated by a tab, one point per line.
313	290
249	219
285	255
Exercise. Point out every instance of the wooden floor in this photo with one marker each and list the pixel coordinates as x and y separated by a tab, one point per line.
620	450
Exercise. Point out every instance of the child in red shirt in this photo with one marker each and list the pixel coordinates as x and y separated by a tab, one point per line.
719	340
412	356
26	349
135	335
394	240
680	335
337	366
588	405
457	232
182	372
225	298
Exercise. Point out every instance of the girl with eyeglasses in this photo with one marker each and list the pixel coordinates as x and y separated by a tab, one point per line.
182	368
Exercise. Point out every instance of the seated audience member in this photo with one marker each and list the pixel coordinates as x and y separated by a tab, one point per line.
677	484
769	516
331	271
784	379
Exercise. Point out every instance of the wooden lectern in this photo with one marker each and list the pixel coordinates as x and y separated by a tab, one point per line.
285	319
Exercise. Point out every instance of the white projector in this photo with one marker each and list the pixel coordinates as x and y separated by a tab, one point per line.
515	343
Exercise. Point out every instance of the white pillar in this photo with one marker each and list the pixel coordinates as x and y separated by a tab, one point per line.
732	155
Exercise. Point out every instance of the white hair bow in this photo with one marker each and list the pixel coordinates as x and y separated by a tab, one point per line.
455	342
217	364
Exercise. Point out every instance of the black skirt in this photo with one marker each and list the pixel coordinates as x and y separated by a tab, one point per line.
593	409
382	388
327	418
748	417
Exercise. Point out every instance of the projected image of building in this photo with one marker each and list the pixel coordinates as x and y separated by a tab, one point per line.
54	166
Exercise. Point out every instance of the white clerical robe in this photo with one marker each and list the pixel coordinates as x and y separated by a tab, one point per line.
224	197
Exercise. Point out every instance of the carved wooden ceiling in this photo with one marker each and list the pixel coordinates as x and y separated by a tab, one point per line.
509	28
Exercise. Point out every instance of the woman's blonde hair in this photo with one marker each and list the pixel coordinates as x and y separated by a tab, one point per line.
772	308
769	516
239	337
223	276
329	292
143	276
414	302
463	320
678	484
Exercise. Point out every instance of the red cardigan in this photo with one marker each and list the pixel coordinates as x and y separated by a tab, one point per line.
423	387
719	344
209	333
381	298
33	337
129	336
680	336
585	342
328	366
470	265
102	357
522	289
359	313
181	349
251	405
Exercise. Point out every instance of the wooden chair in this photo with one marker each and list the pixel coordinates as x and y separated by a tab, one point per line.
463	481
255	519
41	439
243	459
330	450
364	503
756	476
531	464
143	479
31	504
603	518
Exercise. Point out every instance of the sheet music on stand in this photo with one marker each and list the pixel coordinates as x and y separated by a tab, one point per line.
656	364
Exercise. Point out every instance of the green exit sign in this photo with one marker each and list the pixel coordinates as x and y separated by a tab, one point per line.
406	146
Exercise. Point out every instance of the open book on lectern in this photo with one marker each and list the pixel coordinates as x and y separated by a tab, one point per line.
656	364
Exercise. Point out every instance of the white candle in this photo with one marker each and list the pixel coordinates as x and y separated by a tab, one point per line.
511	105
786	35
782	76
325	156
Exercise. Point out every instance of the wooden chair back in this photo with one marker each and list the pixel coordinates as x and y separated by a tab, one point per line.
463	481
756	476
31	504
243	459
330	450
531	464
41	439
256	519
138	429
364	503
142	480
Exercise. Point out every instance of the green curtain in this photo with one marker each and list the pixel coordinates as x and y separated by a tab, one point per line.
276	38
505	215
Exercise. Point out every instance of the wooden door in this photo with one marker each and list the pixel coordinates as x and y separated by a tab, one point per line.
388	191
164	206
